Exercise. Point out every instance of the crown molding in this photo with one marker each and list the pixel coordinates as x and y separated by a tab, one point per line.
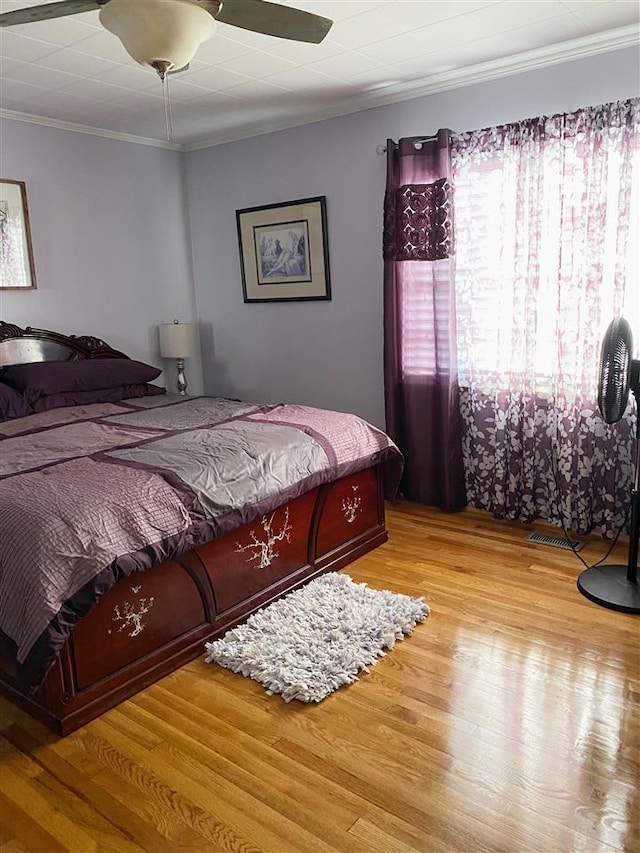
91	131
567	51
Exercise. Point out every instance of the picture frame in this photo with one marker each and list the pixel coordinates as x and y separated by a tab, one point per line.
17	268
284	254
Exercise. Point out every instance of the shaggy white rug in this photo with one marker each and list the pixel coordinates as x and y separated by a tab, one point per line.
307	644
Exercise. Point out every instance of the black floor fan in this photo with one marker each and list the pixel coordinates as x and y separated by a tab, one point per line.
617	586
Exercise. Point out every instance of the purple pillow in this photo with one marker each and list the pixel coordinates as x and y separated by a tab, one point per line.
12	403
103	395
45	378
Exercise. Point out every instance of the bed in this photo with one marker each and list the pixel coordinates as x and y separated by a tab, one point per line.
121	610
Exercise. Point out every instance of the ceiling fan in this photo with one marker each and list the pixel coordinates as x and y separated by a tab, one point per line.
165	34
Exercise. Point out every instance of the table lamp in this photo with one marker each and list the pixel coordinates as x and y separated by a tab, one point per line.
176	341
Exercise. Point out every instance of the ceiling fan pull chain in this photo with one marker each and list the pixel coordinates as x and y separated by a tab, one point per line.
168	119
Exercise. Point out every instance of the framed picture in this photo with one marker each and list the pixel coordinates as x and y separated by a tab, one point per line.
283	251
17	270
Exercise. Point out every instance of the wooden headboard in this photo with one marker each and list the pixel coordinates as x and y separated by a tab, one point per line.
18	346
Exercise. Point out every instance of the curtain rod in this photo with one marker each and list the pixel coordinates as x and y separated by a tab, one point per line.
382	149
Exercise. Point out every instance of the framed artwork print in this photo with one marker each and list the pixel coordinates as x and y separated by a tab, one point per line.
284	254
17	270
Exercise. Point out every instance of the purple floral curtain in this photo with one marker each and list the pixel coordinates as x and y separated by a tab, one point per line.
546	255
421	383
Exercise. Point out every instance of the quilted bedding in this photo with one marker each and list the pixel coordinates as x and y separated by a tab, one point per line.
90	494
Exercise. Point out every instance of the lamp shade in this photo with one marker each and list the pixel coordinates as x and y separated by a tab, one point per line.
176	340
158	31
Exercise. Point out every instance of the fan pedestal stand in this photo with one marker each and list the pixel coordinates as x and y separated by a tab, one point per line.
617	586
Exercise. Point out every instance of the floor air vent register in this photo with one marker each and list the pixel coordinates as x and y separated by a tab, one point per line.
556	541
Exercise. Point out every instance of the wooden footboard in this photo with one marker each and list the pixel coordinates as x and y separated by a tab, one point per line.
149	625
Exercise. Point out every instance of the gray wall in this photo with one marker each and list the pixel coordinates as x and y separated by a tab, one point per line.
110	236
330	353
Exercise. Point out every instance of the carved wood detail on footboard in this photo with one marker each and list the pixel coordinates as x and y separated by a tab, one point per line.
150	624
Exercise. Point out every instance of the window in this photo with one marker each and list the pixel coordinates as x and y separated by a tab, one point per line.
547	253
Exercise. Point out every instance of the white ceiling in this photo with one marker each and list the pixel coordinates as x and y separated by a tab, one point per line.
70	71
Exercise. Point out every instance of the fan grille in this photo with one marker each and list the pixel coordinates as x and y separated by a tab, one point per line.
615	362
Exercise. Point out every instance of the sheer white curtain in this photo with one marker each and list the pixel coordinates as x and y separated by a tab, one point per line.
546	224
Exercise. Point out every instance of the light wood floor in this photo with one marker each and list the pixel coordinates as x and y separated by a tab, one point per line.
507	722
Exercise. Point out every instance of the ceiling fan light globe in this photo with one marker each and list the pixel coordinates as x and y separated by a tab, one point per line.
158	31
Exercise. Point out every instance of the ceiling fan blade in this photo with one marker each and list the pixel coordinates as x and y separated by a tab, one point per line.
273	19
46	11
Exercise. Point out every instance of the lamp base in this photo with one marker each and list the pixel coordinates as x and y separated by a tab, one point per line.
182	379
